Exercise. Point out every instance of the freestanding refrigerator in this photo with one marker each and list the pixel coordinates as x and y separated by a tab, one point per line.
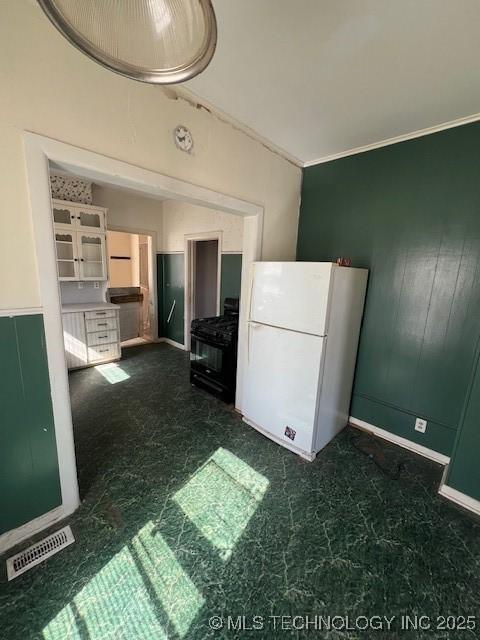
303	329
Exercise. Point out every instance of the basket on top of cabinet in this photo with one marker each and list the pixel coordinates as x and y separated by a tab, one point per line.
80	241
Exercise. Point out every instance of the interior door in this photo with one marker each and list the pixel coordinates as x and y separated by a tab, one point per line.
173	297
293	295
282	379
91	255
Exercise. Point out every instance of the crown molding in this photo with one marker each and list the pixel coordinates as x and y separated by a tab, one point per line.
389	141
190	96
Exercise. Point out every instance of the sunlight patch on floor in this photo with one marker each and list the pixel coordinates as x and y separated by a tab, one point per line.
112	372
179	597
220	499
135	595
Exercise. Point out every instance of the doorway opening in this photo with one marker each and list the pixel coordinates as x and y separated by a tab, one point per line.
203	256
204	278
39	151
130	284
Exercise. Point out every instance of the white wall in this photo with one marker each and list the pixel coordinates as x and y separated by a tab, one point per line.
130	210
121	272
180	218
52	89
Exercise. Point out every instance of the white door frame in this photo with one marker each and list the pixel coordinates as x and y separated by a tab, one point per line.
190	240
152	272
96	167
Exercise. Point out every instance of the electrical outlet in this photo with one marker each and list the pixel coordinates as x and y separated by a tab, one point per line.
96	285
420	425
80	285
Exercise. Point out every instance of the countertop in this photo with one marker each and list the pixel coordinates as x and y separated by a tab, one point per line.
88	306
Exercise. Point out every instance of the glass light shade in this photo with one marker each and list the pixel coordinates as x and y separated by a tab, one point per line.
157	41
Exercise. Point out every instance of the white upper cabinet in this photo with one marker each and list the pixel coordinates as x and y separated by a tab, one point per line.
92	256
81	217
90	219
67	254
80	241
64	215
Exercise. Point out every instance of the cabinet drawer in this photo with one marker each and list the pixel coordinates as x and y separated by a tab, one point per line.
101	324
100	313
102	337
103	352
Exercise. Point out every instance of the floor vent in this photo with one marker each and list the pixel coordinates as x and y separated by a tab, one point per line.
35	554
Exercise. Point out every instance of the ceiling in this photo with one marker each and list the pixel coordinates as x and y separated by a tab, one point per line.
319	78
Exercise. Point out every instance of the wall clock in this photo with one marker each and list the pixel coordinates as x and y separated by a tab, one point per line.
183	138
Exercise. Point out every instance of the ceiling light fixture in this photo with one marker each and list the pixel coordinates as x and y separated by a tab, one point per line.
156	41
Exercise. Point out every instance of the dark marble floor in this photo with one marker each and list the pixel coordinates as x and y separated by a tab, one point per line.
188	513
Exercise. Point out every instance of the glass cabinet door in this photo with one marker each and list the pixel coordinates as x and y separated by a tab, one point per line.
91	220
91	255
67	261
64	215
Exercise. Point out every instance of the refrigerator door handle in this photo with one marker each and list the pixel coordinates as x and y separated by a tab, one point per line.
251	325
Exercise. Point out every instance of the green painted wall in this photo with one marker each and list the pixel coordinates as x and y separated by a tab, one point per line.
231	277
410	212
29	478
171	286
161	319
464	469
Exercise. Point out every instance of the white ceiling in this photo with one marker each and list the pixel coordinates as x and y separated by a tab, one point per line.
317	78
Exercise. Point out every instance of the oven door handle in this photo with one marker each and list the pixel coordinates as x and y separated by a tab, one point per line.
171	311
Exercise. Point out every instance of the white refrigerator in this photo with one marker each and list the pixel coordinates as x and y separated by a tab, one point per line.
303	329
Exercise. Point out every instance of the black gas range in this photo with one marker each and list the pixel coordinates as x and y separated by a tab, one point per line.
213	352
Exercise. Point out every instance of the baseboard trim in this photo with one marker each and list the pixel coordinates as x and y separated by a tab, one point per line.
402	442
460	498
172	343
15	536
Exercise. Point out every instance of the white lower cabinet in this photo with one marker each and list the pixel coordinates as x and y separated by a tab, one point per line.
91	337
75	339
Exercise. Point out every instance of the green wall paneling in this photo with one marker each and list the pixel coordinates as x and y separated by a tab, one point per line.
171	287
161	319
464	469
409	212
29	477
437	436
230	277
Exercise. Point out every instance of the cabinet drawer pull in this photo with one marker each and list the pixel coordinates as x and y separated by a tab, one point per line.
101	337
102	350
100	313
102	324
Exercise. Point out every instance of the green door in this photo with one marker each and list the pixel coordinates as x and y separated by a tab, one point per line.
231	277
173	297
29	477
